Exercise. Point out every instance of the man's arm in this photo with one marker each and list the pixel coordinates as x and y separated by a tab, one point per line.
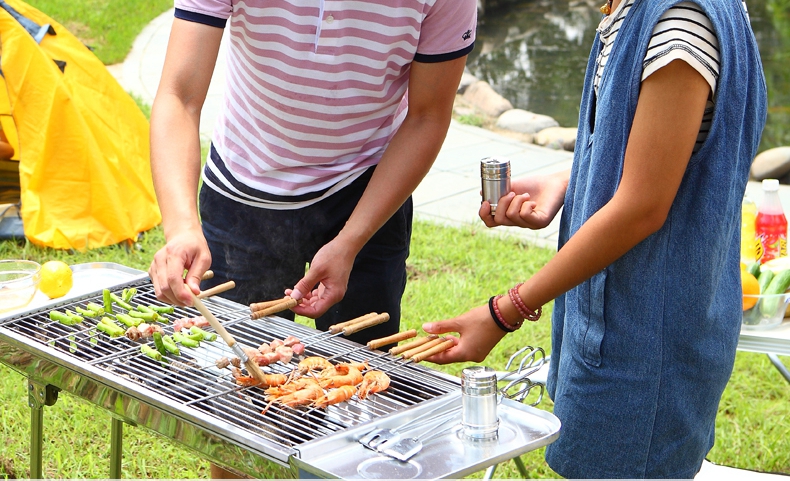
175	157
432	89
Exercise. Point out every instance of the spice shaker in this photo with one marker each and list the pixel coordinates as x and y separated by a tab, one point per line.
479	403
495	175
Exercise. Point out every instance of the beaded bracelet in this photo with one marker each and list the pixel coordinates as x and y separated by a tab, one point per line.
498	319
522	308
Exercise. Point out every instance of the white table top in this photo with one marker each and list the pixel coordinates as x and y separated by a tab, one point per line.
769	341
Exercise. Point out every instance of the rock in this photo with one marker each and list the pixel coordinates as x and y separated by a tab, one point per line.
523	121
557	138
485	99
467	79
771	164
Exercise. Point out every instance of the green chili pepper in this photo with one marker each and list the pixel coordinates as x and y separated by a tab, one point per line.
128	294
129	321
205	336
110	328
86	312
146	316
107	298
185	341
151	352
121	302
99	310
170	345
163	309
64	318
160	345
143	308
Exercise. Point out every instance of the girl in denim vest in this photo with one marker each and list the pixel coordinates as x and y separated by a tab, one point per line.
646	281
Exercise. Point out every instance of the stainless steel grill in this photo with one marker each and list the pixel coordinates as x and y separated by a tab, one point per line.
188	399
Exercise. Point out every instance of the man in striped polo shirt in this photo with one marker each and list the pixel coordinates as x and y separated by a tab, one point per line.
315	153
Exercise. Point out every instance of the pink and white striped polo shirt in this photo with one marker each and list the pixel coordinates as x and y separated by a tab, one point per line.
314	90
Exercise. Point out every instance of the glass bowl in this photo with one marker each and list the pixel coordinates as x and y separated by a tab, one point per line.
18	283
768	312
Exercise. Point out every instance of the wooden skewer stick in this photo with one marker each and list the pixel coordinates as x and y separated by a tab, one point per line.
217	290
373	321
252	367
421	356
286	303
207	275
411	352
411	345
259	306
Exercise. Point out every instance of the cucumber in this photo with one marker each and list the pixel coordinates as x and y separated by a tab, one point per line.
779	284
764	280
754	269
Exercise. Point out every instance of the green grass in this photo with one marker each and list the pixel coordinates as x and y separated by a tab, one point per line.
109	27
450	271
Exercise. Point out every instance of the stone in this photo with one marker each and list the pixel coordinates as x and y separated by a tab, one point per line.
467	79
485	99
559	138
523	121
771	164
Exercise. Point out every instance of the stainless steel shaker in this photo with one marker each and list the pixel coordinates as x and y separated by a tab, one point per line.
479	403
495	175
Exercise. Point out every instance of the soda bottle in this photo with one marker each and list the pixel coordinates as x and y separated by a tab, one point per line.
751	248
771	223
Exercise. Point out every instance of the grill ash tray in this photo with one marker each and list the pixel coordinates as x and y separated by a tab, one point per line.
522	429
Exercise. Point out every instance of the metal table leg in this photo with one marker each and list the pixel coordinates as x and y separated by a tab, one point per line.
519	465
116	448
779	366
38	396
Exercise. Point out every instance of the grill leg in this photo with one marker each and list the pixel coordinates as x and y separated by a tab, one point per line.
36	435
780	366
38	396
116	448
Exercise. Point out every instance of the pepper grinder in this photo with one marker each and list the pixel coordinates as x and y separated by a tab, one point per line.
479	403
495	175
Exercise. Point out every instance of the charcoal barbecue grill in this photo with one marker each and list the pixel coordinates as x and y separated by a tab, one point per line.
188	399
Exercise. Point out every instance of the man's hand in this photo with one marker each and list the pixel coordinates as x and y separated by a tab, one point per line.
329	270
533	202
479	334
186	250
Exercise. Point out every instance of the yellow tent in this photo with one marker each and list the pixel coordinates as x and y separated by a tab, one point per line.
80	139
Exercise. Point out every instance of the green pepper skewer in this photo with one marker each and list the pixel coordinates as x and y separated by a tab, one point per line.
207	336
121	302
146	316
107	298
185	341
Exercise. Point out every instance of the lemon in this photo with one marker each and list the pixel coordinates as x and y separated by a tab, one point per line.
56	280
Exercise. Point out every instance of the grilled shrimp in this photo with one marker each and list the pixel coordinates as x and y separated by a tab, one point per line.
268	379
313	363
373	382
361	366
335	396
303	396
349	376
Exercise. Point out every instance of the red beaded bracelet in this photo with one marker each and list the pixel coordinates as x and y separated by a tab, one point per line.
500	319
522	308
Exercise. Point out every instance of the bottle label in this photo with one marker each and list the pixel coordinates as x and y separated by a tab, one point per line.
774	245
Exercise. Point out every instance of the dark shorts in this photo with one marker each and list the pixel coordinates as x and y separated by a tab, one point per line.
265	251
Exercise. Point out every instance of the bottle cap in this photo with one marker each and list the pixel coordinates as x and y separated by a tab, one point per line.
770	184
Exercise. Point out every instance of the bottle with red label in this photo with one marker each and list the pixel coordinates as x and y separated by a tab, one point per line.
771	223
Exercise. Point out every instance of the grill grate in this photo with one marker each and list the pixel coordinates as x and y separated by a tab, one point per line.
193	380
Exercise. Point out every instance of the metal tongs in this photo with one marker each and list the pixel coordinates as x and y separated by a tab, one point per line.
378	438
522	380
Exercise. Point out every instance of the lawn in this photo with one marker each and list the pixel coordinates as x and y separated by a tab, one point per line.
450	270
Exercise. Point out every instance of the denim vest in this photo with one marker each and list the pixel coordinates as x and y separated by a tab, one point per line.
643	350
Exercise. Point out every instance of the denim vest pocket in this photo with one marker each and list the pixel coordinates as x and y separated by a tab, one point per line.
596	326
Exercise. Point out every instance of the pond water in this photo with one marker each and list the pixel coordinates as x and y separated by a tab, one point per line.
534	53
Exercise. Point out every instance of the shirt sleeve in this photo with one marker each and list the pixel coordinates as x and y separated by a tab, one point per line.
448	31
209	12
685	33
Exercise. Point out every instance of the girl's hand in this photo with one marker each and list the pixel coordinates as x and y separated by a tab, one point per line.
478	335
532	204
